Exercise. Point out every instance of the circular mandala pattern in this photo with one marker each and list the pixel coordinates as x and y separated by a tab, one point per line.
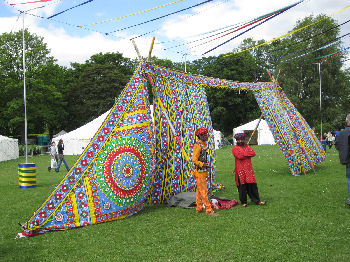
123	170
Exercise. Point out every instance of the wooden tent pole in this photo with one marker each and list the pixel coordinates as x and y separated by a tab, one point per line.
137	50
255	128
150	50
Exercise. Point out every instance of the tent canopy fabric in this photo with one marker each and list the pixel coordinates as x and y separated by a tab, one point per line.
8	148
265	136
62	132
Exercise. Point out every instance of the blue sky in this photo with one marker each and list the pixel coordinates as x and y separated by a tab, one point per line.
69	43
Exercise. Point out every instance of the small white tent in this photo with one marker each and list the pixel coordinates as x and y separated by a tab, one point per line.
218	139
263	131
8	148
76	140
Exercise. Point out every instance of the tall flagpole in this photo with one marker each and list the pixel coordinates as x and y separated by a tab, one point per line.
319	71
24	92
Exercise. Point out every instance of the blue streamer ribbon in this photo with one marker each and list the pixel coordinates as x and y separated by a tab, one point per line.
70	8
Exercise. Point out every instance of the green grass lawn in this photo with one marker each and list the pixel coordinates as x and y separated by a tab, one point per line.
305	219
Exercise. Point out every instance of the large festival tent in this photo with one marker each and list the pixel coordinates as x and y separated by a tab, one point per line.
132	159
263	132
8	148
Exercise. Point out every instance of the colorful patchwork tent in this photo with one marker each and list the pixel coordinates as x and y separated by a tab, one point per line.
132	160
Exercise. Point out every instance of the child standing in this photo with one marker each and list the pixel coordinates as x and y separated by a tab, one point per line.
53	156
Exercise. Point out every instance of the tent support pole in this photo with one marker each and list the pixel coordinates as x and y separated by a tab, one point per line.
257	125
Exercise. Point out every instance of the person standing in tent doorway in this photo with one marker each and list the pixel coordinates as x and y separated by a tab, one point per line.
244	173
342	144
61	156
53	156
200	173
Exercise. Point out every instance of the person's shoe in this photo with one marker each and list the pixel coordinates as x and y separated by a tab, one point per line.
49	169
199	211
213	214
347	202
57	170
261	203
244	205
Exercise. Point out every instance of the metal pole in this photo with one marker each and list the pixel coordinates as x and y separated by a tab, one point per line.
319	70
185	62
24	93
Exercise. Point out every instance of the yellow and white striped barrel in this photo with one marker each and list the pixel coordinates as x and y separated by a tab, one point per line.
27	175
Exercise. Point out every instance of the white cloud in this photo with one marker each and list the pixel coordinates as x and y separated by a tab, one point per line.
66	48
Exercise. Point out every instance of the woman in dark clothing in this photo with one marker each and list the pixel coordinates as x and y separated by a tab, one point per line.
60	148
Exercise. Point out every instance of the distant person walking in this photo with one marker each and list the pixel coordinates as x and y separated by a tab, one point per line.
342	144
244	173
53	156
61	156
329	139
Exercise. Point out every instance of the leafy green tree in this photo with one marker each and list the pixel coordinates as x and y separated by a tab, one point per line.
300	72
95	85
43	83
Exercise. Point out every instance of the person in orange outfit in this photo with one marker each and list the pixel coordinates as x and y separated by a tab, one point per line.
244	173
199	159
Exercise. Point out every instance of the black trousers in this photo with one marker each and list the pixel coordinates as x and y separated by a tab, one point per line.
251	189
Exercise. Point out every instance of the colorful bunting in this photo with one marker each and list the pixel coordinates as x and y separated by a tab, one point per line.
285	35
265	19
154	19
137	13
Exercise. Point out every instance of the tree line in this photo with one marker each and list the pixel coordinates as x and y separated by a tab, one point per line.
64	98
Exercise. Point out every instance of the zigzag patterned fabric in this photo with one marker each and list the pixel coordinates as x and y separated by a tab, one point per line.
130	160
112	177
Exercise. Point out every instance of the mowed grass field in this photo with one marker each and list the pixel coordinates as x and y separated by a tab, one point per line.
305	219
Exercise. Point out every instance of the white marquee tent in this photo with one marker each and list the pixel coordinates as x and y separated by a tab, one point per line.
264	133
8	148
217	138
76	140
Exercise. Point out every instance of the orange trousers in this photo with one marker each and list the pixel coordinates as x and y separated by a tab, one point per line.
202	194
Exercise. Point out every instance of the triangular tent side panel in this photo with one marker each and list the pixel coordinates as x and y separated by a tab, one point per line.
298	143
112	177
8	148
